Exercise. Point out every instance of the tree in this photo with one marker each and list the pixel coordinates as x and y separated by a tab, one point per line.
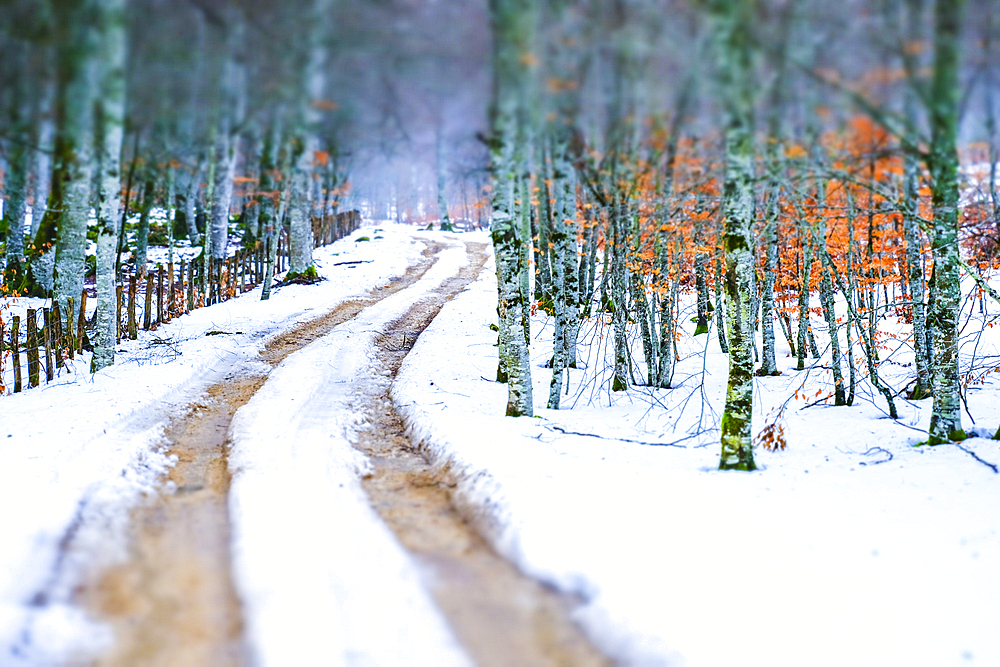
942	163
110	119
512	30
736	88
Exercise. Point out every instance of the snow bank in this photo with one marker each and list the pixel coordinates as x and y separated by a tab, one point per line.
322	578
76	454
832	554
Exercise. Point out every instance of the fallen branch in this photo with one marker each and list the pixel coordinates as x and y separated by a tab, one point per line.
356	261
635	442
971	453
876	450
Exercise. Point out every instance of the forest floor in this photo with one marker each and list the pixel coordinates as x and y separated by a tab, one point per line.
328	475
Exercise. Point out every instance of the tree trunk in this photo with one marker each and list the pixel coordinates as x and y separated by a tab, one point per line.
512	26
942	163
735	74
111	119
74	154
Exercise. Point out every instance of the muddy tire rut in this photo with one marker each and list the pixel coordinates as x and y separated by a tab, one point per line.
500	616
173	600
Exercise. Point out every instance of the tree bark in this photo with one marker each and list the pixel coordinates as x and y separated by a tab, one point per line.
735	74
942	163
512	26
110	119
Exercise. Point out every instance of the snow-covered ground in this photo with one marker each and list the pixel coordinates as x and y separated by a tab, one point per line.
849	547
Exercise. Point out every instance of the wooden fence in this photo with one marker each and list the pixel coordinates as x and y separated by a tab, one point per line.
46	339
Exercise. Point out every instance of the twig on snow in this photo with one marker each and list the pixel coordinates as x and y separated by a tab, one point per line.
876	450
635	442
991	466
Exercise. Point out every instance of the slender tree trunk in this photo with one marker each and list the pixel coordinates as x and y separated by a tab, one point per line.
442	182
735	73
111	119
512	27
74	152
619	280
720	305
946	416
142	231
805	278
190	215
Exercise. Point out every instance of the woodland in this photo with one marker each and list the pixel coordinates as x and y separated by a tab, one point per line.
625	153
486	311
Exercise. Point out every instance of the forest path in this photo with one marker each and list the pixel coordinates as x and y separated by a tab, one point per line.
173	601
499	615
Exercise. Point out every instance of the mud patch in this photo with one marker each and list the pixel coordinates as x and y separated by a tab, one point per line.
173	601
499	615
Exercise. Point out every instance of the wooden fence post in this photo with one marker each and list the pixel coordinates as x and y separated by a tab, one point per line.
47	341
170	291
159	294
32	346
15	349
189	305
133	326
71	343
81	324
147	313
183	272
206	278
118	314
58	338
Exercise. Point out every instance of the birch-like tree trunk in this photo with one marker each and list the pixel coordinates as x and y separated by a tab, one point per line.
805	278
142	229
942	163
512	29
110	123
190	199
74	149
736	88
442	181
43	155
15	187
306	144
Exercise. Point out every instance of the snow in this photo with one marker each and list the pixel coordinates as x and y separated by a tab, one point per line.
824	557
851	546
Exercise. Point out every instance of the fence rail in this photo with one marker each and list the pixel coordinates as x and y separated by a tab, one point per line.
46	339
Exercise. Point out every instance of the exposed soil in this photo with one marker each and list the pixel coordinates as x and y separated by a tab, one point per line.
500	616
173	602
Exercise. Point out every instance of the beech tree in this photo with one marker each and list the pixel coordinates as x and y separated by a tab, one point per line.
512	22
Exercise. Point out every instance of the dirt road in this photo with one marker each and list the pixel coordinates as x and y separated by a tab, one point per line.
173	602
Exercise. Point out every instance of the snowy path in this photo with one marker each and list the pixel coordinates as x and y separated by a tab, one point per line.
306	535
500	616
78	455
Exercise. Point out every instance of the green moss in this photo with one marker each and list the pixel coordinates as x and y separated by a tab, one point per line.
361	238
701	328
308	274
957	435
